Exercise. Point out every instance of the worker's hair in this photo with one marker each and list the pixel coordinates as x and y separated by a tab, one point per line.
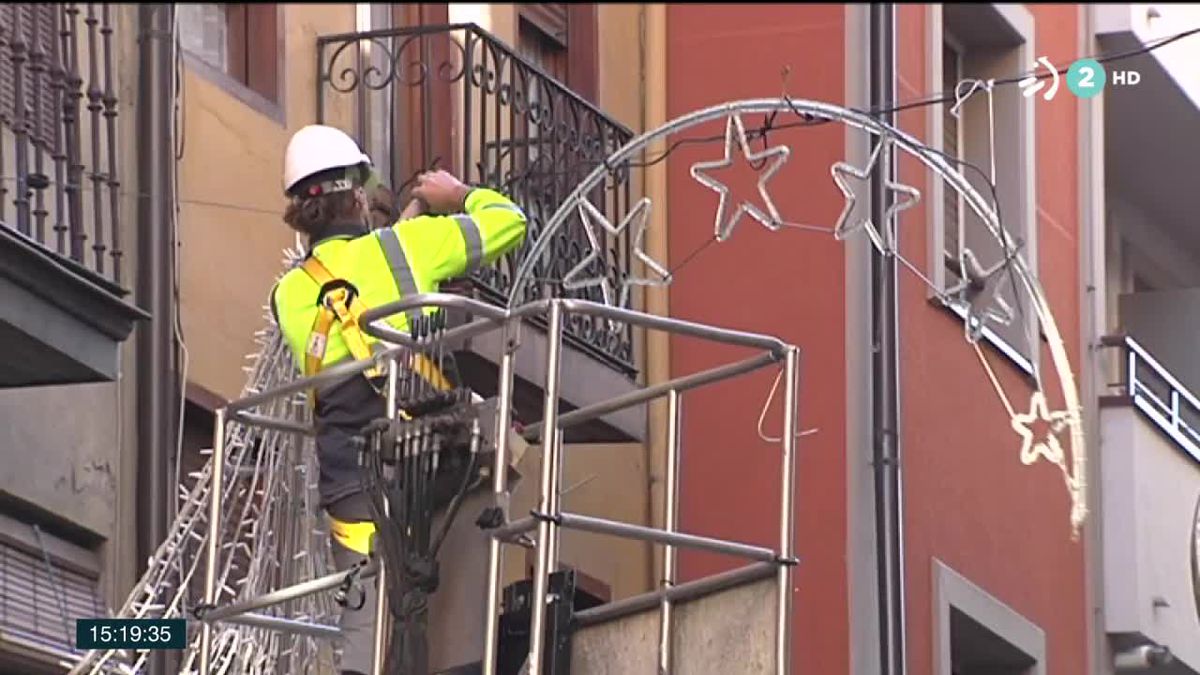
310	215
382	206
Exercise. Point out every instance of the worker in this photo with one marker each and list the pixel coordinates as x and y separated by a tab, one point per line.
448	230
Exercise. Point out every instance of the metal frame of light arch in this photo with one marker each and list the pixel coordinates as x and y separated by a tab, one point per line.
909	144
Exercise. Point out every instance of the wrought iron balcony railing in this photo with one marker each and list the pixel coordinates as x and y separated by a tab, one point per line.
459	98
59	184
1158	395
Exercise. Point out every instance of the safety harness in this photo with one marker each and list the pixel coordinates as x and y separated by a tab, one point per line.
338	302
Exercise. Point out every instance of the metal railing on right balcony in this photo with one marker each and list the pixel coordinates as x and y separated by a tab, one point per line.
59	184
457	97
1162	398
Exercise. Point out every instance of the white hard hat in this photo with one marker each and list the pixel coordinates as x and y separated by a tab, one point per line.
317	148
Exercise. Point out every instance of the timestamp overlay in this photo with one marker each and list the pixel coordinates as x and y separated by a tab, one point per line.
131	633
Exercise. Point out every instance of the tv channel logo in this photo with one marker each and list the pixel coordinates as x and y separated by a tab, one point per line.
1086	78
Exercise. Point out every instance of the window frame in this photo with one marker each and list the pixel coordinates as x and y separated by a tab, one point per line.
1021	23
960	144
72	568
42	114
577	36
232	84
552	43
416	136
953	591
63	552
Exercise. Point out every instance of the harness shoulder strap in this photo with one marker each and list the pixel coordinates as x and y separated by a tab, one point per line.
338	303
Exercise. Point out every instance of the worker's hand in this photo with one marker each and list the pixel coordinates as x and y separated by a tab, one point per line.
415	208
441	191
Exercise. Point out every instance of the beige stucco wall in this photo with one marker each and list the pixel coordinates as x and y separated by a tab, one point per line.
620	53
657	345
621	93
230	198
599	480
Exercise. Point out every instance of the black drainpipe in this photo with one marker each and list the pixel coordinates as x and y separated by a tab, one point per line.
885	367
157	385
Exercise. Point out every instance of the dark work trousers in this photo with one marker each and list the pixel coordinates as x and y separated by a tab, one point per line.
358	625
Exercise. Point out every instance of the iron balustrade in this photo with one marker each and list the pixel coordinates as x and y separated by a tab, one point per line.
1160	396
59	180
457	97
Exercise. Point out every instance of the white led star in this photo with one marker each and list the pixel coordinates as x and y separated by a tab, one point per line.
636	221
1031	448
725	222
978	293
844	227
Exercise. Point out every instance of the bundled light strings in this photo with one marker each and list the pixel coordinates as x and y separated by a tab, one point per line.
272	536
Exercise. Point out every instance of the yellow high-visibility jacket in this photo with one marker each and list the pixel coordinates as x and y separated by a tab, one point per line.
385	265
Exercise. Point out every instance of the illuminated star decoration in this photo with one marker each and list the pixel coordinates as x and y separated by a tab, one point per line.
1196	557
978	294
845	227
636	221
725	221
1031	448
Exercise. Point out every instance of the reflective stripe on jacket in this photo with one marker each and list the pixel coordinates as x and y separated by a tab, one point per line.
412	256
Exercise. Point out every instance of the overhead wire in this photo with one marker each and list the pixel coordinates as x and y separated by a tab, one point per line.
928	100
808	120
182	355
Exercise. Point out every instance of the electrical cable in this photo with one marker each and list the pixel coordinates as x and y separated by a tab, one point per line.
931	99
808	120
762	415
183	356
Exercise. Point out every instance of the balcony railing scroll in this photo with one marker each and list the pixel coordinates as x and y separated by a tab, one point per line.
1158	395
59	180
457	97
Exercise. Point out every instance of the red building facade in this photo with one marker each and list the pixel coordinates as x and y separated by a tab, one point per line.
969	505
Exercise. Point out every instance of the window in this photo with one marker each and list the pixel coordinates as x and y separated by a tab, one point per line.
980	42
375	130
975	650
561	39
37	29
952	145
976	634
239	40
46	583
542	37
422	117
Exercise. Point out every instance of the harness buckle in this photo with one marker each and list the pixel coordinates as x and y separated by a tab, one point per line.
335	285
